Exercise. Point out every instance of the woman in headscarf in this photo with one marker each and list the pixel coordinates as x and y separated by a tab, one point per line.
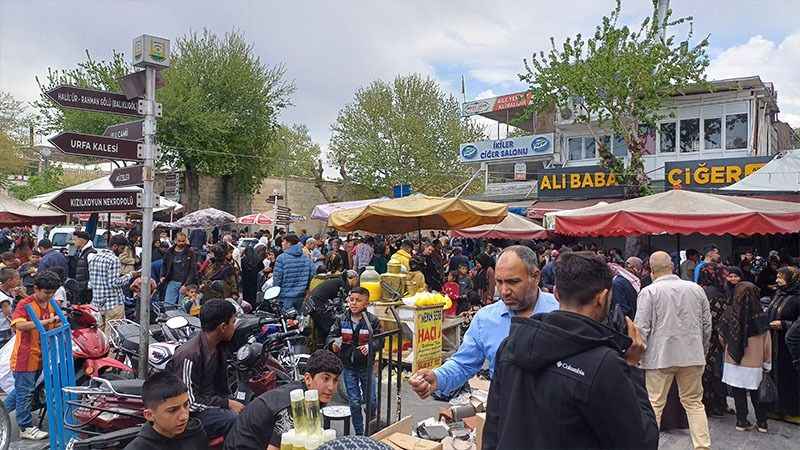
783	311
748	353
484	278
251	266
220	269
712	280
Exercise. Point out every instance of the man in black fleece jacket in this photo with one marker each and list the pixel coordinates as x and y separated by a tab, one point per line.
168	426
565	379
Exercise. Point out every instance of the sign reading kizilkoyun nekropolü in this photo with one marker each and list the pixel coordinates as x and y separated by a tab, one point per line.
97	201
511	148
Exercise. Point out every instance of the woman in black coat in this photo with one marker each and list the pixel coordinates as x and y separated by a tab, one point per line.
252	264
783	312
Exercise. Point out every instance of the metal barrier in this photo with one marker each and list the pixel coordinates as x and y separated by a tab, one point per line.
391	364
58	371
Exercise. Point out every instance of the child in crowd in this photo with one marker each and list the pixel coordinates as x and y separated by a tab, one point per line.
5	321
466	286
350	339
28	270
26	358
190	299
166	403
452	290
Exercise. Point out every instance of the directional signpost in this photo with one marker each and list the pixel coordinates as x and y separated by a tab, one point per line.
97	201
127	176
98	146
127	130
92	100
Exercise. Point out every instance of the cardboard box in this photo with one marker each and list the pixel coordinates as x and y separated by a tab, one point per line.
398	436
479	430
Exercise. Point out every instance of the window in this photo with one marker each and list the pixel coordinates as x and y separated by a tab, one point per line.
712	134
589	148
735	131
667	134
575	148
620	148
690	135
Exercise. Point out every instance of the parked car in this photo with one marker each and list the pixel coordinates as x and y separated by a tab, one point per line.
61	238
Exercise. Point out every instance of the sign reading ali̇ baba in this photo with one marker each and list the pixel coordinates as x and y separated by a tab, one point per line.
713	173
511	148
578	182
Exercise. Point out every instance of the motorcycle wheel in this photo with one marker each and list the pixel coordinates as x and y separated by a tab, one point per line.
5	428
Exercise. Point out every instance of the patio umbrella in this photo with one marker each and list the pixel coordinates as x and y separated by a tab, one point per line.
682	212
323	211
15	212
417	212
203	218
512	227
267	218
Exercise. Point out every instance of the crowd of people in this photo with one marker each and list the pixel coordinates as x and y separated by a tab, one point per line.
568	322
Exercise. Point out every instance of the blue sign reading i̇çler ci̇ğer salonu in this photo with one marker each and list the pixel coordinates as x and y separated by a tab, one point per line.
511	148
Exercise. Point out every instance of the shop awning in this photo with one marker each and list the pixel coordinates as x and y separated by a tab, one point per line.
781	175
512	227
15	212
539	208
682	212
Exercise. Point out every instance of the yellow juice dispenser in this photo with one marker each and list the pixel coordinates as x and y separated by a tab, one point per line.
371	281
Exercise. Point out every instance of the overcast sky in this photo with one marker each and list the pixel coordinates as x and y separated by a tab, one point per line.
331	48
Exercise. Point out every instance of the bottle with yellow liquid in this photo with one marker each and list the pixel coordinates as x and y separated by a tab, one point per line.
313	417
298	409
371	281
288	440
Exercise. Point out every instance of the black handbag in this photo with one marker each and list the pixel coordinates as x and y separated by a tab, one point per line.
767	391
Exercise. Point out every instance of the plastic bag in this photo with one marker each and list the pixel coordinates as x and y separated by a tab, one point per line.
767	391
6	375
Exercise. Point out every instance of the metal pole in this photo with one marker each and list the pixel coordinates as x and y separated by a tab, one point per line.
149	129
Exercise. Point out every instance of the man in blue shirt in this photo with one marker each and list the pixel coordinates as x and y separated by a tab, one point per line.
517	281
710	254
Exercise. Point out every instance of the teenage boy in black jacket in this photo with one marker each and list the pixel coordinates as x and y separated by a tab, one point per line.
168	426
565	379
350	339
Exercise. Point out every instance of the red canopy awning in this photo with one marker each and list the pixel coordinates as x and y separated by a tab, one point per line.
15	212
682	212
538	209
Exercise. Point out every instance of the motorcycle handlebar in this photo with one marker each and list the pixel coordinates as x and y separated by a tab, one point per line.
280	336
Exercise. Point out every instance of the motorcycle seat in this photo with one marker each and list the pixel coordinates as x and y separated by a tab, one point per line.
129	335
129	387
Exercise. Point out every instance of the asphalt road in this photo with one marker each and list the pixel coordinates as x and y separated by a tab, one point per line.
781	436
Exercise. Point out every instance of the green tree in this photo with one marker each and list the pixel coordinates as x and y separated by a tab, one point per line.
220	104
51	179
406	131
12	123
620	78
293	145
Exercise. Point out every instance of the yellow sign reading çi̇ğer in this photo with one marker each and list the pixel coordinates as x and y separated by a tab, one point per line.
710	173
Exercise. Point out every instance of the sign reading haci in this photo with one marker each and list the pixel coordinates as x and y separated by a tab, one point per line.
710	173
511	148
578	183
93	100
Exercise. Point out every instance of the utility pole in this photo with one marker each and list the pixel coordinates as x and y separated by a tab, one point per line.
661	14
151	53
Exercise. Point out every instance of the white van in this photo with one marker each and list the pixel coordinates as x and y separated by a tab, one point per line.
61	238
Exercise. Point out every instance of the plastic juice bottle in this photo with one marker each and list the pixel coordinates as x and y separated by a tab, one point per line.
371	281
328	435
313	417
298	409
288	440
313	441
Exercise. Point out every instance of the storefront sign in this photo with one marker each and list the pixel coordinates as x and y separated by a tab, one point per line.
520	171
710	173
578	182
517	188
427	343
486	105
511	148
